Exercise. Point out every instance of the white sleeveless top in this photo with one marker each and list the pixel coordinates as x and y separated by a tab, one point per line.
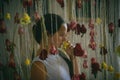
57	68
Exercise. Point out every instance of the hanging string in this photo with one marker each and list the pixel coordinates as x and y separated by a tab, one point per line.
65	9
83	12
86	45
18	56
19	42
104	34
56	24
57	35
101	35
44	8
40	9
114	17
36	5
83	23
95	15
101	32
45	37
51	25
71	17
111	46
44	27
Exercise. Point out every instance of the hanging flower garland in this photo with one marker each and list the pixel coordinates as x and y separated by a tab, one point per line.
111	28
11	62
110	68
27	3
72	25
8	16
9	45
117	50
27	61
85	64
36	16
107	67
98	21
10	48
79	3
77	28
17	18
3	28
81	76
83	29
61	2
92	43
104	66
25	19
21	30
95	67
78	51
103	50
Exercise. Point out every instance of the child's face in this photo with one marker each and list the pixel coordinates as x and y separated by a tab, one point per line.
60	36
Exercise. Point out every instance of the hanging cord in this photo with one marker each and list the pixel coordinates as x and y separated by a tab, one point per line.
111	38
15	34
104	35
83	23
51	24
114	17
77	38
101	30
44	33
96	16
83	12
65	9
57	35
75	62
18	57
24	48
56	24
72	35
44	7
44	36
93	18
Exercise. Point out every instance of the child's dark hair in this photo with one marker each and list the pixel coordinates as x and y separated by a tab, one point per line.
52	22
